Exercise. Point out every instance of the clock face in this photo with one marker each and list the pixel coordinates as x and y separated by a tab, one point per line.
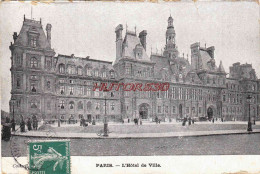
180	76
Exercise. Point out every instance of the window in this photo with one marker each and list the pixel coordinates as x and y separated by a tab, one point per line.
89	105
18	83
48	85
62	103
71	104
61	81
187	110
112	74
18	60
71	81
159	109
104	74
173	109
62	89
71	89
173	92
33	88
34	62
33	41
80	71
96	73
97	106
88	71
80	105
33	104
224	98
112	106
81	91
62	68
193	110
48	105
71	69
128	70
166	109
96	93
18	103
88	92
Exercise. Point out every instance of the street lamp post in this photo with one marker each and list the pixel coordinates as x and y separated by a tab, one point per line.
249	125
13	103
105	118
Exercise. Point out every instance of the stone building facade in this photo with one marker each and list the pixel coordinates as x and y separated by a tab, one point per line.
50	86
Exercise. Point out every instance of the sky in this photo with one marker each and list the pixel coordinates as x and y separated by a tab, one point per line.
88	29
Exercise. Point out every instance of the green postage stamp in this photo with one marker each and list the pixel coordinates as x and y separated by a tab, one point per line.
49	157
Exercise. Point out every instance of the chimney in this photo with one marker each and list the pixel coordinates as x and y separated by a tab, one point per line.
48	30
210	51
15	36
119	40
142	36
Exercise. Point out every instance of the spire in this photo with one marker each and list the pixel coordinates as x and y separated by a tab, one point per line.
221	68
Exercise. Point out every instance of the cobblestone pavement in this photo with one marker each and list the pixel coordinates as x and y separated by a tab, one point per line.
240	144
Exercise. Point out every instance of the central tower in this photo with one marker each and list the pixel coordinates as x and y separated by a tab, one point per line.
170	49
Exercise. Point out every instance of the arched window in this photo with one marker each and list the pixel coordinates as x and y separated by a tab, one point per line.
62	68
71	104
33	87
80	105
89	105
62	104
80	71
34	62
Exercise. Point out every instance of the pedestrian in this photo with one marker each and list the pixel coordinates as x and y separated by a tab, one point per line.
156	120
159	121
141	121
213	120
192	121
29	124
13	124
6	130
128	119
22	125
189	121
35	123
221	119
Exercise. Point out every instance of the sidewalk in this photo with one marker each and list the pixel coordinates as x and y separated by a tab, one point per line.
41	134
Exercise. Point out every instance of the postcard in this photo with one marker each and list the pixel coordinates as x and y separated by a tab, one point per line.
130	87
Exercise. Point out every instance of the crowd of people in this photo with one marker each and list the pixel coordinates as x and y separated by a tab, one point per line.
9	126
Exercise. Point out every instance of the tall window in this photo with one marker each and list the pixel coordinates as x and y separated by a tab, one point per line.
88	92
33	88
48	85
89	105
128	69
71	104
112	106
71	89
62	89
159	109
80	71
96	73
112	74
62	104
62	68
89	71
166	109
81	92
18	83
33	41
34	62
97	106
49	105
173	109
80	105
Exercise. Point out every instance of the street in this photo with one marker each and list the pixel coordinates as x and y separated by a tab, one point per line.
244	144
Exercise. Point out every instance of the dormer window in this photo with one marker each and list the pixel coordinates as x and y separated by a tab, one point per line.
138	51
33	41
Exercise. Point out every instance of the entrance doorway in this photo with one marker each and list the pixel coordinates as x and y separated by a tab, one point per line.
210	113
89	117
143	111
180	111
